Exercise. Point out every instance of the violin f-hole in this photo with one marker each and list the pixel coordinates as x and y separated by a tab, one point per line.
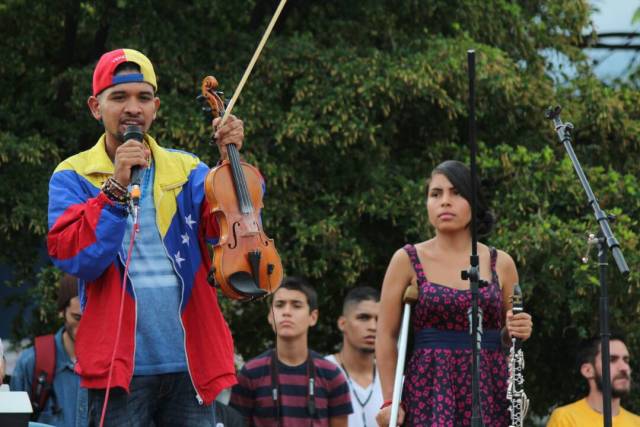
234	243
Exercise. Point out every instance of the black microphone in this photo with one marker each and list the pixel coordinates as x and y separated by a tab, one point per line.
135	132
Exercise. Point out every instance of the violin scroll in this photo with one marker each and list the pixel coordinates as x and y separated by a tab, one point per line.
213	104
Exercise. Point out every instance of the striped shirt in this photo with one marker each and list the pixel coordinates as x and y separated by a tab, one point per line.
253	397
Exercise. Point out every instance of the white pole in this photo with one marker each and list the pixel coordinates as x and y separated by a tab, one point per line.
402	353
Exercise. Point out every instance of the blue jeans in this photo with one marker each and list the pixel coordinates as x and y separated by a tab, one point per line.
154	400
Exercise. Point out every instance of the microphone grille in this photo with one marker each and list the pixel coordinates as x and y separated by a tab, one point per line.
133	132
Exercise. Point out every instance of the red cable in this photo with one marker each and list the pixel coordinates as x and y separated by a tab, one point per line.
124	287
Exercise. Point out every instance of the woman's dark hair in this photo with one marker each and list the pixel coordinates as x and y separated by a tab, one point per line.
460	177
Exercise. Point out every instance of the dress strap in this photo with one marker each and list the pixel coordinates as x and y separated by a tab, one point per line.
415	262
494	258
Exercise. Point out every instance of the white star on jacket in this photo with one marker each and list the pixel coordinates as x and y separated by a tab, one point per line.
178	258
189	221
185	239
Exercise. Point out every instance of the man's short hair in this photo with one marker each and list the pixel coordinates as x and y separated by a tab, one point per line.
297	283
359	294
589	349
67	290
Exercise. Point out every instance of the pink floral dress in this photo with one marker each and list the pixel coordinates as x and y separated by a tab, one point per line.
437	385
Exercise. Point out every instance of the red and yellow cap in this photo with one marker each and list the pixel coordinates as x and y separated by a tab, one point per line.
103	77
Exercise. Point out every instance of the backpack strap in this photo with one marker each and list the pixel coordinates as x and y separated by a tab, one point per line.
42	384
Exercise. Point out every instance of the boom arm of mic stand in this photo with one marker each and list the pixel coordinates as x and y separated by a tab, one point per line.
564	134
409	298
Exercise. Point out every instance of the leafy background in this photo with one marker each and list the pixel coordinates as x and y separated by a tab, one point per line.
349	108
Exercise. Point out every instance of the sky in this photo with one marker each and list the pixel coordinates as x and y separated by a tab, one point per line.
614	15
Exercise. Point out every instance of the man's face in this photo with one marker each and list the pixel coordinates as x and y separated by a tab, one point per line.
290	316
359	324
620	370
72	316
125	104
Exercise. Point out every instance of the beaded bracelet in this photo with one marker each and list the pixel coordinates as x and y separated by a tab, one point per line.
115	191
119	186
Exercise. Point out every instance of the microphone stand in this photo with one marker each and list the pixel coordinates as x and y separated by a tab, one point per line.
473	274
605	239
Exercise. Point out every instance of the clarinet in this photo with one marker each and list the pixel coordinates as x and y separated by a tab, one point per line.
519	402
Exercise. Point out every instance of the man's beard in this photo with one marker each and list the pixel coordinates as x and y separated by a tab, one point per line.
616	393
120	137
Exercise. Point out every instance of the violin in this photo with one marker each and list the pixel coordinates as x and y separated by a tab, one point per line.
245	264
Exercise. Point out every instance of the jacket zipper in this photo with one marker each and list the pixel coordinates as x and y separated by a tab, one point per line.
184	331
135	321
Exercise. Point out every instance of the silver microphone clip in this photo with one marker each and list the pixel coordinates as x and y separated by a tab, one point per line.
591	241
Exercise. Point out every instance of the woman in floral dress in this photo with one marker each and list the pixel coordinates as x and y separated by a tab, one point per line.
437	385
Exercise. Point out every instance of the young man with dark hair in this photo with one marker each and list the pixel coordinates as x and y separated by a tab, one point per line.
292	386
67	402
170	352
587	412
356	358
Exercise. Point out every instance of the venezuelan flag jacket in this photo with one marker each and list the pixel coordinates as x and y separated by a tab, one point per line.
85	239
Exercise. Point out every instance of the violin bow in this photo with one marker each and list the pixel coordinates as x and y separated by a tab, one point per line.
255	57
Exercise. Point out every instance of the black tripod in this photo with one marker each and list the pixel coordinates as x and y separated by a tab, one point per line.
605	240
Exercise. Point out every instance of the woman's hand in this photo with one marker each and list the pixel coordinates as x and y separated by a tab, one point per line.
384	416
519	325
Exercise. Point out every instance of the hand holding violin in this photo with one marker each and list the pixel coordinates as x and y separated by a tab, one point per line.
231	132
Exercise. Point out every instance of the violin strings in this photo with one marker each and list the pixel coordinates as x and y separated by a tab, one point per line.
241	184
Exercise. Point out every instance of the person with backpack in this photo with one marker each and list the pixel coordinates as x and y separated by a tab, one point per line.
46	370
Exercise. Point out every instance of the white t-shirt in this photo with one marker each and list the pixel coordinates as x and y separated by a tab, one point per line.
372	395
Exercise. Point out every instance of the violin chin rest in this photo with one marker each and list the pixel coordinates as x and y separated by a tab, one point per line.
243	283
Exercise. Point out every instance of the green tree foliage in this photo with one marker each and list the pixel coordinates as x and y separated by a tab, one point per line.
349	108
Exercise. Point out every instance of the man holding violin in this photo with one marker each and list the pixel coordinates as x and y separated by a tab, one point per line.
156	347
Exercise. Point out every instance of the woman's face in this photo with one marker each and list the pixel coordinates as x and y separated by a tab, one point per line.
448	210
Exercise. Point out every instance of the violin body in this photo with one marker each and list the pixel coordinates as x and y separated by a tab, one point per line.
244	254
245	262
